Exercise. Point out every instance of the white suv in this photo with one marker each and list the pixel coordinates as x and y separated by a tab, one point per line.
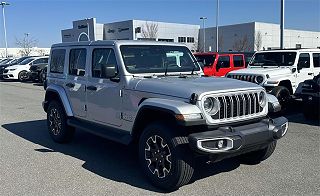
20	72
281	71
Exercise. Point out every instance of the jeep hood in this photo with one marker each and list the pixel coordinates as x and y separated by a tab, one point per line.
184	87
271	71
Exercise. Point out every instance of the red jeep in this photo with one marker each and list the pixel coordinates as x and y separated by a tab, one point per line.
219	64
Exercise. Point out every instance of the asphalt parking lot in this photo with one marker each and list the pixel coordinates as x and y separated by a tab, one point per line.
32	164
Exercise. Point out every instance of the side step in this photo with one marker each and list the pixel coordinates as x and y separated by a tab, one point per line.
117	135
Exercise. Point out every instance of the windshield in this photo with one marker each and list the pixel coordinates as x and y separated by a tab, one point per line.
6	61
26	61
206	60
158	59
273	59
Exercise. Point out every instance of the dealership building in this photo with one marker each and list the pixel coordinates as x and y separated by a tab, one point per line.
239	37
89	29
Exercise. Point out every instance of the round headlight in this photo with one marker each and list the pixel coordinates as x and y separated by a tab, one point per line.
262	98
211	105
259	79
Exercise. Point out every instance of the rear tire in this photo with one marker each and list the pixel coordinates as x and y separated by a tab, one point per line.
165	156
258	156
283	95
59	131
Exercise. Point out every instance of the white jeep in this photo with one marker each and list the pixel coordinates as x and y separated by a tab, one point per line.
281	71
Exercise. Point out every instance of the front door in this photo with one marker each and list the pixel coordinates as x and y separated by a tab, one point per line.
223	66
103	90
75	84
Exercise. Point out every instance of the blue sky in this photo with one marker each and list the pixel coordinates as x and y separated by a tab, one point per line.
44	19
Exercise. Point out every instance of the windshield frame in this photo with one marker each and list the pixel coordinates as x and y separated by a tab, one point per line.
274	63
169	71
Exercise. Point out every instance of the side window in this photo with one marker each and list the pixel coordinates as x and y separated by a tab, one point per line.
77	62
316	59
304	61
223	62
238	61
40	61
104	63
57	60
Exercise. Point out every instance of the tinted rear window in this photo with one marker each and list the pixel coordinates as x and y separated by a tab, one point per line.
57	60
238	61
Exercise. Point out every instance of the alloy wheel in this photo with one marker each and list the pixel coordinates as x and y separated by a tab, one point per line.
55	121
158	156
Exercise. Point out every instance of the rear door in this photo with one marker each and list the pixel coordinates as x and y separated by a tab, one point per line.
103	91
238	62
305	70
316	63
223	65
75	84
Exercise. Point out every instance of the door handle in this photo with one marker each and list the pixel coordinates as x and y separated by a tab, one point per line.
92	88
70	85
310	74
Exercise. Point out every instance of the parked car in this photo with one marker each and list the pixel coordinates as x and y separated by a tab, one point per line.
6	61
131	92
20	72
36	72
216	64
281	71
310	94
14	62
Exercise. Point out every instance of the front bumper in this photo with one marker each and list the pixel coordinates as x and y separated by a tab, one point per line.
9	75
240	139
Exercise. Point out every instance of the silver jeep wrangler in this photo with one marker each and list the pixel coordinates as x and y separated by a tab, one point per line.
154	95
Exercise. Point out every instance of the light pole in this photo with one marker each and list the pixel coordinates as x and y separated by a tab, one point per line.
4	26
204	32
217	27
282	25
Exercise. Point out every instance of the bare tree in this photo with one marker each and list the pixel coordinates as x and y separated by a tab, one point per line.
242	44
41	52
258	41
149	30
26	44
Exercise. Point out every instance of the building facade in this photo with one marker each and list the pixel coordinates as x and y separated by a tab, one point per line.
255	36
245	37
88	29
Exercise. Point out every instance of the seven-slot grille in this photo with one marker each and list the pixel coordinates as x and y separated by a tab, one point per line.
249	78
240	105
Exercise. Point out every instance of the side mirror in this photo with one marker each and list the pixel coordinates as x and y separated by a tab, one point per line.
300	65
110	73
293	70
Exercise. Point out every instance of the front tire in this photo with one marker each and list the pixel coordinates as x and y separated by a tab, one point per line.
165	156
59	131
260	155
283	95
23	76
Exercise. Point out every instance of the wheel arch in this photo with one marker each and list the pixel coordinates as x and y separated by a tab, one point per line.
54	92
287	84
155	109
